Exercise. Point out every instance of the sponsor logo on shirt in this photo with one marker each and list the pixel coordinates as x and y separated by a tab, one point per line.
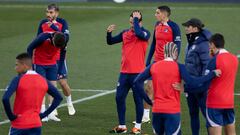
165	30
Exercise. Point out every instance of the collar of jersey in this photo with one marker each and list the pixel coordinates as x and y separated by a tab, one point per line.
168	59
165	23
223	51
31	72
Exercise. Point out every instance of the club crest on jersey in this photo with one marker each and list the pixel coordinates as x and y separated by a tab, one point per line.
165	30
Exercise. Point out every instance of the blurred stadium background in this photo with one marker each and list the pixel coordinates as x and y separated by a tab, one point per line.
94	66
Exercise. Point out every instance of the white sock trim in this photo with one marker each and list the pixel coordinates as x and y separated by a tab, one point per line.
146	113
69	99
138	125
122	126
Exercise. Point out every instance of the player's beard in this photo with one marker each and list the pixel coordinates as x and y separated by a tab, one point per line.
51	18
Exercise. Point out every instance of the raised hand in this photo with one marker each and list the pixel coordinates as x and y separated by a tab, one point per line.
111	28
137	14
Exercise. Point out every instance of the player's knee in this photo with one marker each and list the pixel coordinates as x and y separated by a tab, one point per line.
149	88
118	98
138	101
54	83
63	82
149	92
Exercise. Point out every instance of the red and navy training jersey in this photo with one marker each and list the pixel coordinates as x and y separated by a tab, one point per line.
133	53
58	25
43	51
166	99
164	74
134	46
221	90
30	89
163	33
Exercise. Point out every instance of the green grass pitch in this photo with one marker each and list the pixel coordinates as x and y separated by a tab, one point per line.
94	65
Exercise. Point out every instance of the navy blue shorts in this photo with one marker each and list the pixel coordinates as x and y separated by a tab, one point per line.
219	117
170	124
62	72
30	131
49	71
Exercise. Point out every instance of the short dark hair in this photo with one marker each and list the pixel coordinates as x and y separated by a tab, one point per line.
59	40
165	9
22	56
136	11
25	58
53	6
218	40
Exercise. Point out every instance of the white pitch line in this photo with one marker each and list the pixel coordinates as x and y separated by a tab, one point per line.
77	90
88	98
119	7
4	122
89	90
76	101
